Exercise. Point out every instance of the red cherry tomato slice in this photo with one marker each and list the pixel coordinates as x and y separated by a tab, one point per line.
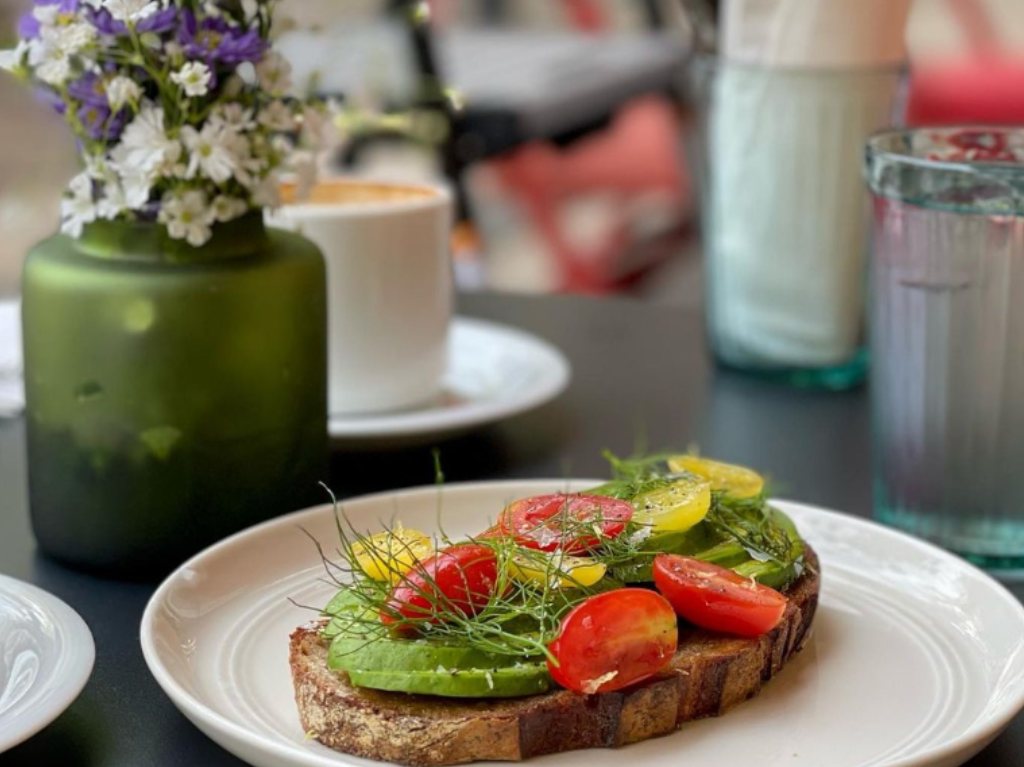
574	523
491	533
716	598
613	640
458	579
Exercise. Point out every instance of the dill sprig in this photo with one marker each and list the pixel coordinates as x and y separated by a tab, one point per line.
520	617
748	522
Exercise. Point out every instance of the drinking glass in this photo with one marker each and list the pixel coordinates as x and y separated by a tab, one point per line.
946	321
784	232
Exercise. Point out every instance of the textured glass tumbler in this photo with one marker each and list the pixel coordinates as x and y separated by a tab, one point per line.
947	320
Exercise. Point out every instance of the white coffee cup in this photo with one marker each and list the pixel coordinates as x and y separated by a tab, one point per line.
389	287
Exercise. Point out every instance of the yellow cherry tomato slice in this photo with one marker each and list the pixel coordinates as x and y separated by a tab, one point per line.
674	508
735	481
389	555
558	571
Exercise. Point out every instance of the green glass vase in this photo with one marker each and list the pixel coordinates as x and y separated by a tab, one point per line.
173	394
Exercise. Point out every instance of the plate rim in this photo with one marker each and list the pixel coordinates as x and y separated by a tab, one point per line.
415	422
74	675
978	734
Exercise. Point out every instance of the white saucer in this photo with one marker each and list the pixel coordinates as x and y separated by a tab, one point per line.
494	372
916	658
46	656
12	391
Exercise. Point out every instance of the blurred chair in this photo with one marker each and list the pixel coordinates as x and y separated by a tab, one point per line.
595	114
635	159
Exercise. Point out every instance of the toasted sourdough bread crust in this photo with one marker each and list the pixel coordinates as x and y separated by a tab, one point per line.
708	675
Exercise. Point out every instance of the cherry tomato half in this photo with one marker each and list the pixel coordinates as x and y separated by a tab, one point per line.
460	579
716	598
613	640
491	533
572	522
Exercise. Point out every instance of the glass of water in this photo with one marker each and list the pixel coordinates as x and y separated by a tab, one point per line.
947	338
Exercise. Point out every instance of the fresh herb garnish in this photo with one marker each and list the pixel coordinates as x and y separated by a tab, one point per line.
523	615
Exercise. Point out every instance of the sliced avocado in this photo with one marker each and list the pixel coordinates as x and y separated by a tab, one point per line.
345	611
508	682
688	542
400	655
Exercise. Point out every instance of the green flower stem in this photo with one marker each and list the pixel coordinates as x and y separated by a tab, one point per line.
160	77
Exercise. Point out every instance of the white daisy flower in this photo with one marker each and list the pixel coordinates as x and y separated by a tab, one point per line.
247	164
317	129
210	152
136	185
131	11
46	15
49	61
73	37
276	116
122	91
10	58
193	78
302	165
267	192
145	148
228	208
250	8
77	208
187	216
274	74
114	200
233	116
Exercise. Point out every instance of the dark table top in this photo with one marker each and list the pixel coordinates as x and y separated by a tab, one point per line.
641	377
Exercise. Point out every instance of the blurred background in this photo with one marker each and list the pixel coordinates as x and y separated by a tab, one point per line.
562	124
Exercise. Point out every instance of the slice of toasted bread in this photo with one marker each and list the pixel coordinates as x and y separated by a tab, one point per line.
709	674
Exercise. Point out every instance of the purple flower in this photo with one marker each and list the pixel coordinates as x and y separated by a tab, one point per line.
157	23
100	124
51	99
214	40
28	27
90	89
28	24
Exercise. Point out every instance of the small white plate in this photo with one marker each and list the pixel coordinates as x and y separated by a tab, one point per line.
494	372
46	656
916	658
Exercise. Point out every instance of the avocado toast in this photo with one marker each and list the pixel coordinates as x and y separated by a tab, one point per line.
559	630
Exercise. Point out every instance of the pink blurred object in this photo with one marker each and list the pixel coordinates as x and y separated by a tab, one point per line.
984	86
987	89
637	156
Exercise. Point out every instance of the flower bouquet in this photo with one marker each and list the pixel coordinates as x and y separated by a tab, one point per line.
180	108
175	347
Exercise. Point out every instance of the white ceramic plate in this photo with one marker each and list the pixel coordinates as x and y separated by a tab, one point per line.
493	372
46	656
916	657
